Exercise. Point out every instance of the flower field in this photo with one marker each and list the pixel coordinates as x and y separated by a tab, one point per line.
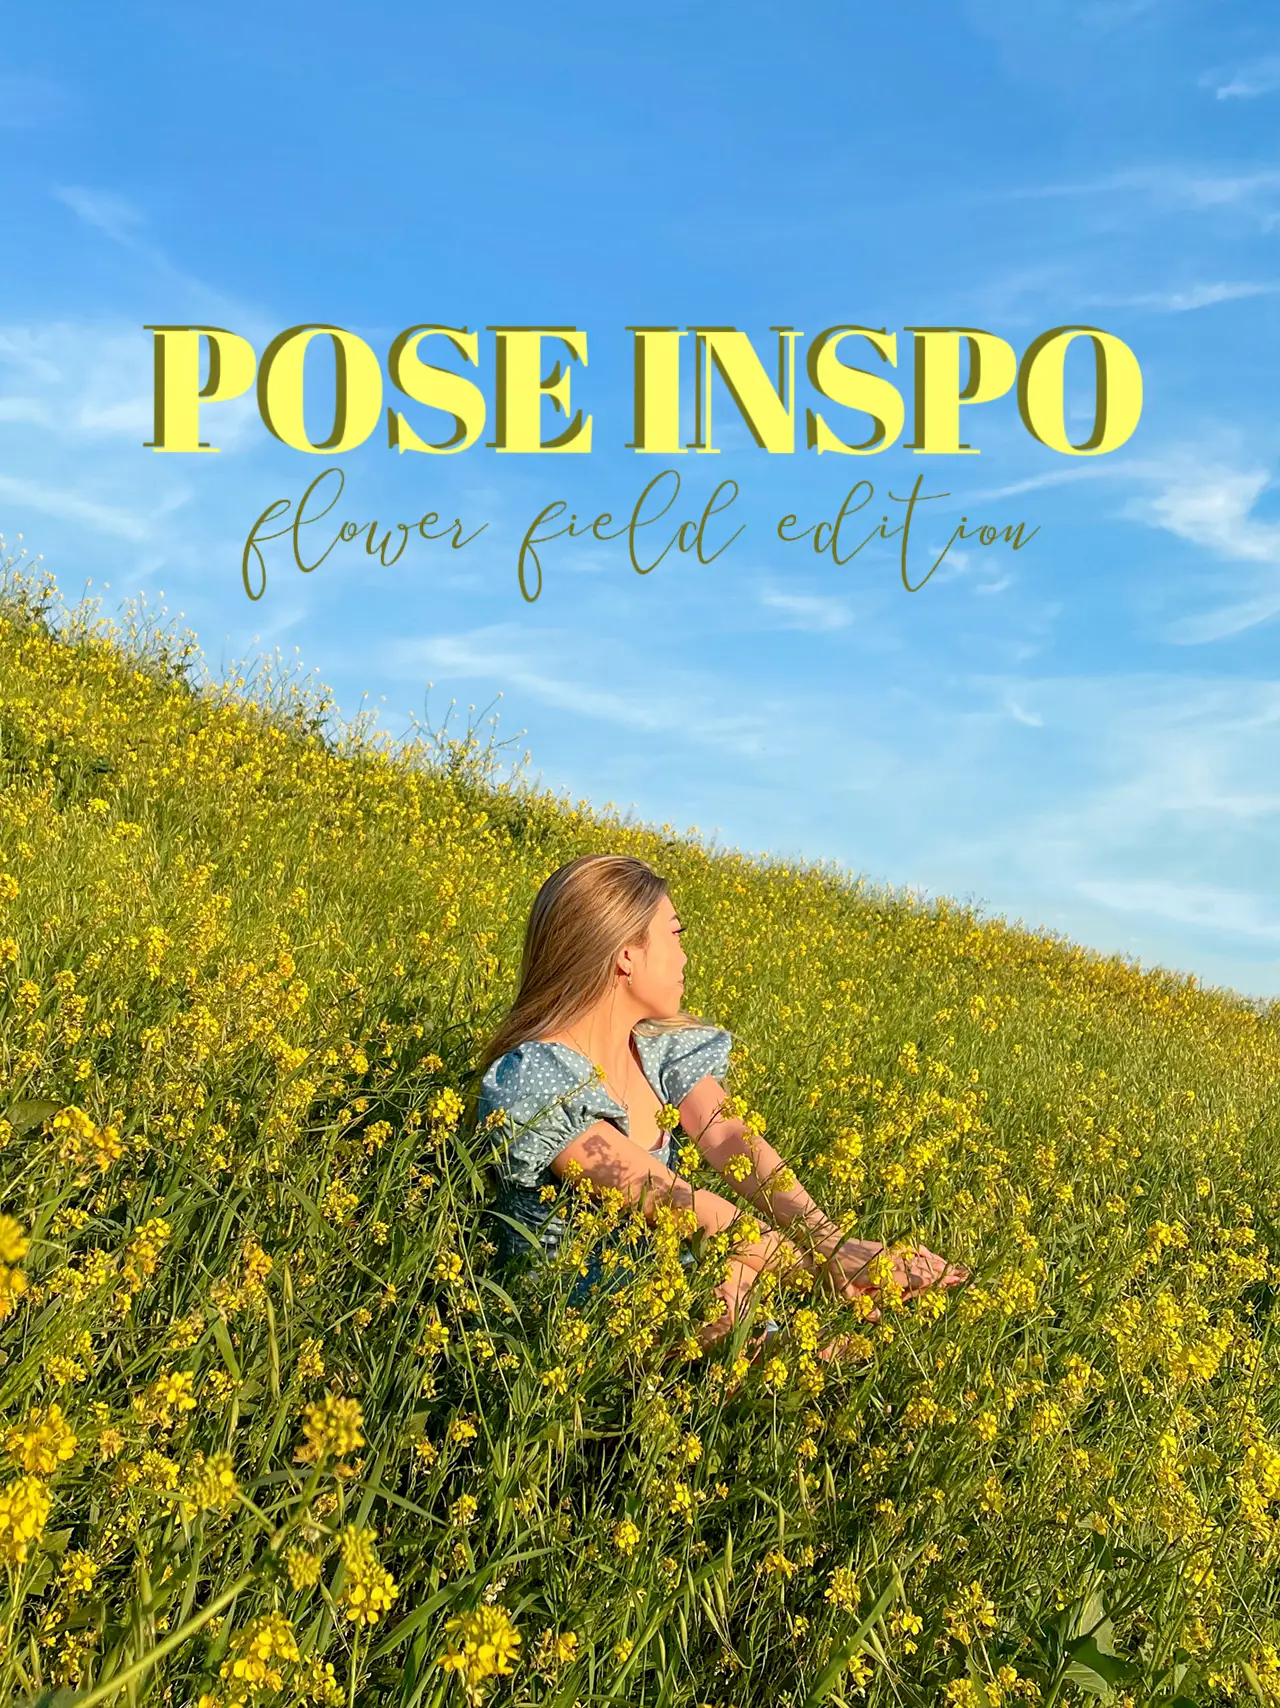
272	1431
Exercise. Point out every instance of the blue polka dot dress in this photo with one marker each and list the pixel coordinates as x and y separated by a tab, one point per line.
548	1094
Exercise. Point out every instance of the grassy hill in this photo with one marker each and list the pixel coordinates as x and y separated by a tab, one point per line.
273	1432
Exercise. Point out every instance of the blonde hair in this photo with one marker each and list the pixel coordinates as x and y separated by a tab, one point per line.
583	914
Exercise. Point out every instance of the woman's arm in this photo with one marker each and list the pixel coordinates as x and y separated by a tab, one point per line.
765	1178
762	1176
609	1158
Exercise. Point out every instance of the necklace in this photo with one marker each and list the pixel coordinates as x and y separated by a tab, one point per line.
608	1082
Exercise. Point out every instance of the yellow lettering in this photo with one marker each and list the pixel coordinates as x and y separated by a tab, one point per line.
178	392
1117	390
521	387
357	389
769	411
853	388
657	390
438	388
938	394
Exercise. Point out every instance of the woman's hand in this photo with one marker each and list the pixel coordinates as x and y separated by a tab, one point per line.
771	1251
735	1292
845	1272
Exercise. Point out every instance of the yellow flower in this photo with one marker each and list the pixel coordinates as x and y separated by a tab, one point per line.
171	1391
14	1243
445	1110
143	1253
774	1374
13	1248
303	1568
78	1572
626	1536
24	1507
843	1589
367	1588
210	1486
463	1510
41	1442
681	1501
257	1652
448	1267
310	1365
333	1427
484	1647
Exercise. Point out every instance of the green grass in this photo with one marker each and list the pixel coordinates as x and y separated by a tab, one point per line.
246	960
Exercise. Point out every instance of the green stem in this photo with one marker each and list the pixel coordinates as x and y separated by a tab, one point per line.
145	1662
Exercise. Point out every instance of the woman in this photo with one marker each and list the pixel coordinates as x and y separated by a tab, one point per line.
601	982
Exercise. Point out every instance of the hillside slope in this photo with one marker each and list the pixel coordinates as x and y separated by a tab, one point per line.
252	1360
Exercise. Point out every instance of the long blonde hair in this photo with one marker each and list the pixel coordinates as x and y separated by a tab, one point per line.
584	913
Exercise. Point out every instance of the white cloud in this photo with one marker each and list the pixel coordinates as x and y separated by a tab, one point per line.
1238	912
1212	507
1157	780
118	219
1094	469
75	507
95	380
1259	77
102	210
808	610
677	706
1172	187
1193	297
29	409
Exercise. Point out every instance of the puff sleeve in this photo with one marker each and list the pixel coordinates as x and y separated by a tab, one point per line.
689	1054
545	1102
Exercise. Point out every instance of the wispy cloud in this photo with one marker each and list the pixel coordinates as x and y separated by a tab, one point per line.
1158	780
1258	77
107	212
1180	302
1212	506
1020	715
1238	912
74	506
500	653
94	380
1068	476
1176	188
808	610
1214	509
123	222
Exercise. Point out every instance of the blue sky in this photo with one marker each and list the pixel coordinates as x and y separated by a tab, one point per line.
1082	736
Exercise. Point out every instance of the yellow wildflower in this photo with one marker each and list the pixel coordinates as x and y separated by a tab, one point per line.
333	1427
257	1653
367	1588
24	1507
484	1647
41	1442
